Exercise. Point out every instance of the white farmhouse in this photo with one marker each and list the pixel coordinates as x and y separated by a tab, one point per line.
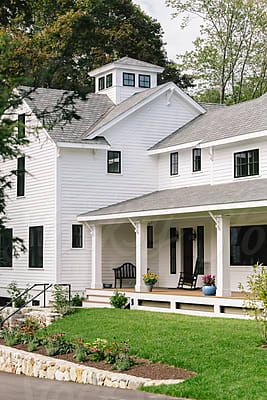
146	176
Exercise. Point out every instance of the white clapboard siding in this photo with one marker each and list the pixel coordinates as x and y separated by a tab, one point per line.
37	208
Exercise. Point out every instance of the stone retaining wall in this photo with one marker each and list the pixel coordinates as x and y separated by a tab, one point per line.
36	365
45	316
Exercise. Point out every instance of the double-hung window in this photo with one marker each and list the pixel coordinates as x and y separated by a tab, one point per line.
36	242
77	236
144	81
196	160
128	79
246	163
108	80
114	162
20	176
101	83
174	163
6	245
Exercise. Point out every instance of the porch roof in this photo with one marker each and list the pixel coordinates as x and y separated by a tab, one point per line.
234	195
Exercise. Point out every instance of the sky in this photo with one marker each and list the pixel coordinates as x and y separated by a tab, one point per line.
178	40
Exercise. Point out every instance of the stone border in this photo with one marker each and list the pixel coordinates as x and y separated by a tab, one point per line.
31	364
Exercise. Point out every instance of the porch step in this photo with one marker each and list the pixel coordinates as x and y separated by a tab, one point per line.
98	298
96	304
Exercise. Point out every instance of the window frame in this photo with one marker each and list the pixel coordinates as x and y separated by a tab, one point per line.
21	177
173	171
173	250
100	86
108	164
81	238
4	249
109	80
31	264
195	166
21	125
124	79
150	236
247	164
140	76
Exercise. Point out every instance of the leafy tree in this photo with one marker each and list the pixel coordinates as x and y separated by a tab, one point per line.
172	73
231	53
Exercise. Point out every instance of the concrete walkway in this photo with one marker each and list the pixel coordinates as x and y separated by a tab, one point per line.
19	387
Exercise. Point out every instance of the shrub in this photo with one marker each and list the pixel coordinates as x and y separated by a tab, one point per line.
28	329
81	351
256	297
97	349
118	300
32	345
11	336
118	355
60	300
77	300
57	344
14	292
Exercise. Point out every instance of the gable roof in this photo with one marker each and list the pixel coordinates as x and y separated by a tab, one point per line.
90	110
211	196
221	123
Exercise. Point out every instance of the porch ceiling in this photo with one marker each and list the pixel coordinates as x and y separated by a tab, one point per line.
228	196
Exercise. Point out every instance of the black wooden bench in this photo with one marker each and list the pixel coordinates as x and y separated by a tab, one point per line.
125	272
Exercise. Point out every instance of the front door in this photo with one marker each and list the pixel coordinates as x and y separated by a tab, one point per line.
188	251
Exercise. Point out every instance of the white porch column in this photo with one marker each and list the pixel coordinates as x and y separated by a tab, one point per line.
96	232
141	255
223	256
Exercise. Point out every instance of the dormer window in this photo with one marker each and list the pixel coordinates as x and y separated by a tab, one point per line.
144	81
101	83
108	80
128	79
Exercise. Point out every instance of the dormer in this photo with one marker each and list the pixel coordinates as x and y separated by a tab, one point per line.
125	77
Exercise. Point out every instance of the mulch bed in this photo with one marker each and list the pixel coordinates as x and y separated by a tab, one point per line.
144	368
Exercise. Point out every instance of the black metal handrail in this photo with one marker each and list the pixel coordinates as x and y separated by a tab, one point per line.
46	287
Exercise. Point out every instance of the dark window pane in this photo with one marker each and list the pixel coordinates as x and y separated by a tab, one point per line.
173	239
174	163
108	80
150	241
101	83
128	79
6	245
144	81
200	249
196	160
36	247
21	176
77	236
248	245
21	126
114	162
246	163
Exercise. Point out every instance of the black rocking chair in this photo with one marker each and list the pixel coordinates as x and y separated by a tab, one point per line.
189	281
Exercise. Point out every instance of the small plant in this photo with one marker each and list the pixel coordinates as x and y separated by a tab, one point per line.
11	336
32	345
60	300
57	344
256	297
150	278
28	330
81	351
97	349
117	353
208	280
118	300
77	300
18	300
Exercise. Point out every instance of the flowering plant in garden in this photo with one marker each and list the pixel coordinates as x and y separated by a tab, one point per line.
150	278
208	280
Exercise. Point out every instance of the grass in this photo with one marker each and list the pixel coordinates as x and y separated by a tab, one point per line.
226	354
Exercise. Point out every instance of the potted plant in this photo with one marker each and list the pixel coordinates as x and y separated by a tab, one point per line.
150	278
208	288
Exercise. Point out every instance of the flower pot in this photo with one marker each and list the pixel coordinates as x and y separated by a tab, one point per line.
209	290
149	287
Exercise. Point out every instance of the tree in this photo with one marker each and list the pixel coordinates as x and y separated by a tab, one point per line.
231	53
172	73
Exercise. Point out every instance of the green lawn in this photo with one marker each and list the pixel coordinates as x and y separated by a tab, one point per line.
225	353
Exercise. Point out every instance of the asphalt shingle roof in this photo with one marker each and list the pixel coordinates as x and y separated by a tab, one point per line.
221	123
204	195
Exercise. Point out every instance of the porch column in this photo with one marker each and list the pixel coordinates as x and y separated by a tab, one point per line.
96	232
223	256
141	255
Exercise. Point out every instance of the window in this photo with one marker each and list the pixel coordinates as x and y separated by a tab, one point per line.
114	162
150	239
128	79
196	160
108	80
174	163
21	176
36	247
101	83
21	126
77	236
144	81
248	245
6	244
173	239
246	163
